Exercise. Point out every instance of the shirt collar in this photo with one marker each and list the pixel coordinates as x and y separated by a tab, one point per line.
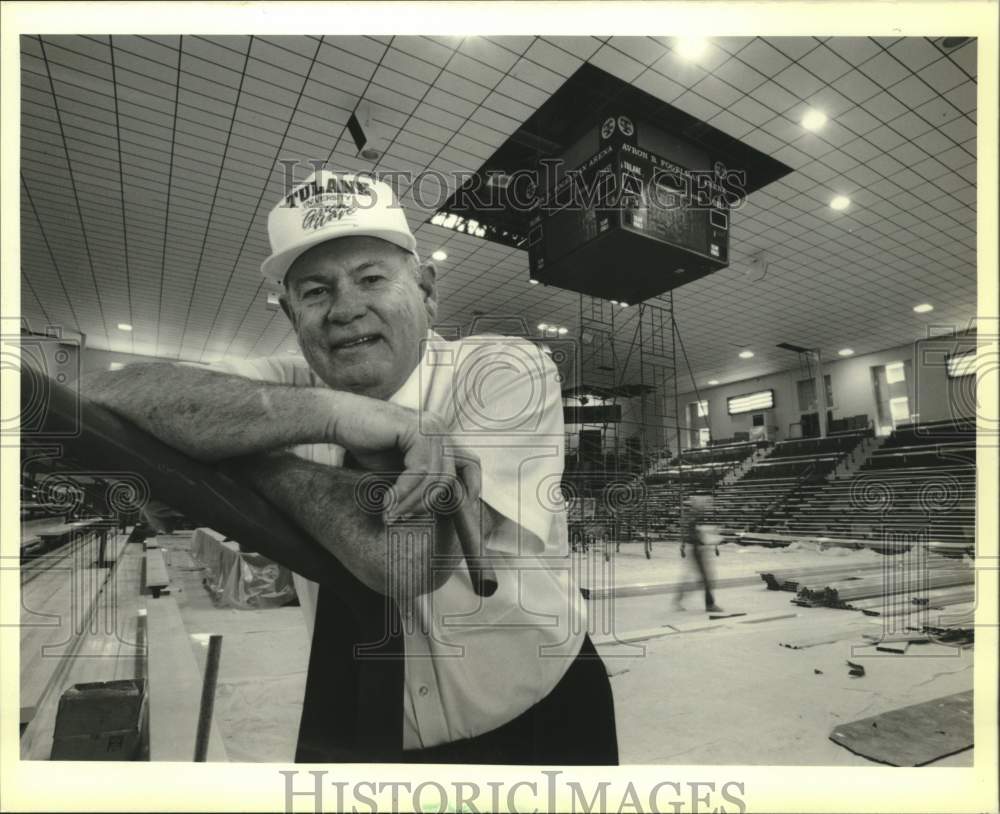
409	394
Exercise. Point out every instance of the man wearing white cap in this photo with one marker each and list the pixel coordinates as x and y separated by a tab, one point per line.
498	666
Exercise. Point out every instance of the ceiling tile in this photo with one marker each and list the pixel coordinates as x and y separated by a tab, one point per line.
718	91
912	91
859	120
937	112
856	86
795	48
576	47
764	58
943	75
698	106
641	49
420	69
752	111
774	97
884	69
434	53
487	52
616	63
915	52
799	81
739	75
856	50
965	58
659	86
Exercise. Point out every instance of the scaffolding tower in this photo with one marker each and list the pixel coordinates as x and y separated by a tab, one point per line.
630	357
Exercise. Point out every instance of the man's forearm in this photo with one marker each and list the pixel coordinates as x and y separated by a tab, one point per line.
326	503
211	416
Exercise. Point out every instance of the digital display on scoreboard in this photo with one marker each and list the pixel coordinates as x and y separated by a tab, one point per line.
628	187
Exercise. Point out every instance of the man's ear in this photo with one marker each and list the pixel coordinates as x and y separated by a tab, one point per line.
427	280
283	301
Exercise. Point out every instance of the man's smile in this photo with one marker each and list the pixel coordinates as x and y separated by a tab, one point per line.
361	341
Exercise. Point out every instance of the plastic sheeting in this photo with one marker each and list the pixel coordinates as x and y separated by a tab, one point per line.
240	579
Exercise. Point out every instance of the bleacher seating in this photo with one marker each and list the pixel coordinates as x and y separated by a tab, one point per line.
792	469
919	486
706	465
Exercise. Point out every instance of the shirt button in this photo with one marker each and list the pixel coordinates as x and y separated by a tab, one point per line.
424	689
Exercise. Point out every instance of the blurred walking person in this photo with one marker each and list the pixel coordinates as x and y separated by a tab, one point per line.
698	534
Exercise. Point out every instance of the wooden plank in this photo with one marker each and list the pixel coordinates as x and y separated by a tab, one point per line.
174	687
57	605
157	577
914	735
110	649
828	637
844	593
754	618
800	575
946	596
644	588
632	636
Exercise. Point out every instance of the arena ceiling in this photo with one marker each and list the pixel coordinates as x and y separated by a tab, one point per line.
148	166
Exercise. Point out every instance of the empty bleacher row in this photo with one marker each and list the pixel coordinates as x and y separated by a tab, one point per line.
790	469
918	487
694	470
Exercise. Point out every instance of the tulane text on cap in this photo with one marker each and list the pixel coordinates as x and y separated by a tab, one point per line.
328	206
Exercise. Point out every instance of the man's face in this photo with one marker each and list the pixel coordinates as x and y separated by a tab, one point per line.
360	311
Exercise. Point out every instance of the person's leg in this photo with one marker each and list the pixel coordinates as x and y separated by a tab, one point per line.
698	552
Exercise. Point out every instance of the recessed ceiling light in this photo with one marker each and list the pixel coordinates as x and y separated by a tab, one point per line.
746	354
923	308
533	281
713	381
814	119
563	331
846	352
614	302
623	304
439	255
542	326
124	326
840	203
690	48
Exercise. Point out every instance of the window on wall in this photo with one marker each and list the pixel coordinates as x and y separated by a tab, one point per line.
892	385
806	389
962	364
704	436
750	402
697	420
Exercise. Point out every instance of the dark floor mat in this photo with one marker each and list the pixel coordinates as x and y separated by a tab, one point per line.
913	735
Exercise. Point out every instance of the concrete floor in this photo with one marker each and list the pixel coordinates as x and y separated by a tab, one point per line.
717	692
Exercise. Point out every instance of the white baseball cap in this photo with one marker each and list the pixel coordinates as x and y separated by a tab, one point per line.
329	205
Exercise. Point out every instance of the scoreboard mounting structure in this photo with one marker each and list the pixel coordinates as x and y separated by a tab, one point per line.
628	223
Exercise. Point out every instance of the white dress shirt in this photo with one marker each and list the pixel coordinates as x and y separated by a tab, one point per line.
473	664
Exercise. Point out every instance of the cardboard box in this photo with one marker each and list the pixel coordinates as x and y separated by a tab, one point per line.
101	721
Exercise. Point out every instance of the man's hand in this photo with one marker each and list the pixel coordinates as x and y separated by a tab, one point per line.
387	437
